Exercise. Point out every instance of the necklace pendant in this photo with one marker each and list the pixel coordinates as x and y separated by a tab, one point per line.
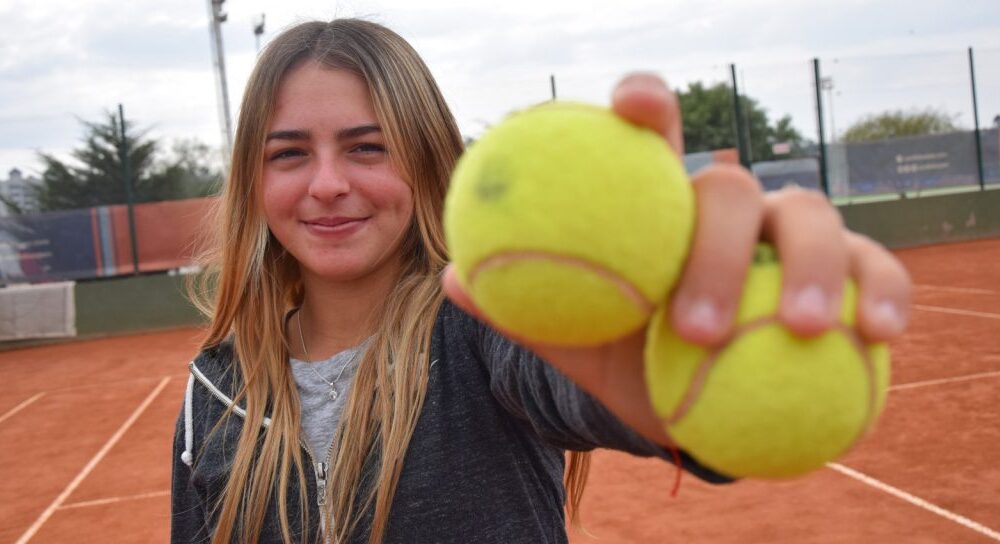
334	394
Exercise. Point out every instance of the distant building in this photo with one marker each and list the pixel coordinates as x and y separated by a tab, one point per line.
16	189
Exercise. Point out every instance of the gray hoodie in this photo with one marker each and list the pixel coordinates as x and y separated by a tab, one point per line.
485	463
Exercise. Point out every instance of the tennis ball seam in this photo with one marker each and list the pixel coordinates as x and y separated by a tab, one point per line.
700	377
628	289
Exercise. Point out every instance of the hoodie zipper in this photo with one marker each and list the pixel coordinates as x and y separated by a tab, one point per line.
320	470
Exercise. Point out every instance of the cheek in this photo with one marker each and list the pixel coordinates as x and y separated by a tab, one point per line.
404	204
391	195
277	203
400	195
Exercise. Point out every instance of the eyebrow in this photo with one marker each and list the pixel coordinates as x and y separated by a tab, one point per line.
345	134
357	132
287	135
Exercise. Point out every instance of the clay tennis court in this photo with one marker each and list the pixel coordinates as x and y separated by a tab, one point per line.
86	431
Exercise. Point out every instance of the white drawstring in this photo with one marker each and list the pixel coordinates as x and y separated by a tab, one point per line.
187	456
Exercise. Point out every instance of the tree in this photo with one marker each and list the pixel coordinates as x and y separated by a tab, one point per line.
97	178
899	123
12	207
196	167
709	123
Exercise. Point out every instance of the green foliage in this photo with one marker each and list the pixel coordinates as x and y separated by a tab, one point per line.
98	176
709	123
899	123
193	165
12	206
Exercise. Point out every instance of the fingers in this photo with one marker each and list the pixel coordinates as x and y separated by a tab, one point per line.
808	233
644	99
730	207
884	288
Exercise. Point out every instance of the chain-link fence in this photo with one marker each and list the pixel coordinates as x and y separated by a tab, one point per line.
801	123
860	129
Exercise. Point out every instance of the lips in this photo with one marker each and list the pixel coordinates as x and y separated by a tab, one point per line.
332	221
334	224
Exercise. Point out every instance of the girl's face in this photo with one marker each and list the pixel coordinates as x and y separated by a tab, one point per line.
331	196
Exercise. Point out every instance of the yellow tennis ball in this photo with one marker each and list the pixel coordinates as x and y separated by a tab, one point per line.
567	224
766	404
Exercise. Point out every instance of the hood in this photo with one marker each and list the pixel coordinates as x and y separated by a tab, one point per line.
214	370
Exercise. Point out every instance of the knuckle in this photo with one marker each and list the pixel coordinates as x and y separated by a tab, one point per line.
805	201
860	241
867	247
645	78
881	266
806	198
897	274
731	178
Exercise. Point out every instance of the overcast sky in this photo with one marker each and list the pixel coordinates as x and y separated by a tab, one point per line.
66	60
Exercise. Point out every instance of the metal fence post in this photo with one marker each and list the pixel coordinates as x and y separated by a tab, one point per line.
823	177
129	197
975	121
741	140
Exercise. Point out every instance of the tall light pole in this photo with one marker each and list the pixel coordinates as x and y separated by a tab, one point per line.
258	30
216	17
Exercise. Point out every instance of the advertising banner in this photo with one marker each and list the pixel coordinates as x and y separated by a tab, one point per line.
48	246
95	242
913	164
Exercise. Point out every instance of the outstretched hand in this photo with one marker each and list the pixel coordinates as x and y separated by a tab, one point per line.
733	214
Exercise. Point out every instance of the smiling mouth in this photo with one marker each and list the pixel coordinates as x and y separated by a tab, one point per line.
335	225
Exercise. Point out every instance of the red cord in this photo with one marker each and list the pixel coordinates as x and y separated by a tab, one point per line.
680	470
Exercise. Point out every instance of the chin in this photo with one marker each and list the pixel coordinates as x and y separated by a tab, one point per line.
341	274
341	271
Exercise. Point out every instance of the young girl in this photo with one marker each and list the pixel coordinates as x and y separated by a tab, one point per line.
340	397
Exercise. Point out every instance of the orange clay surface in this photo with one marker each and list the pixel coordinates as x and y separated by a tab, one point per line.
86	431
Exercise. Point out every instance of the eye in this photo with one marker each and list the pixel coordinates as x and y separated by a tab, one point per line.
286	154
368	148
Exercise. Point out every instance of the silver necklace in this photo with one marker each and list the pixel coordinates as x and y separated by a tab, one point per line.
333	393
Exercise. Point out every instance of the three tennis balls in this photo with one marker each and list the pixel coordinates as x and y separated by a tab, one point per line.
568	225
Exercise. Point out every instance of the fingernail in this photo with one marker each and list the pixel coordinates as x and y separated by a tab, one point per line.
811	302
886	315
703	316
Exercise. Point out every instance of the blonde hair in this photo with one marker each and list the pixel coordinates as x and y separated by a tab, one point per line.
253	282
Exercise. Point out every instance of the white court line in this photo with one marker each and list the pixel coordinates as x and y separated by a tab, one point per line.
916	501
112	500
20	407
943	310
114	383
941	381
93	463
967	290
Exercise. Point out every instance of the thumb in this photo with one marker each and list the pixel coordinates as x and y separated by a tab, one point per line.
456	293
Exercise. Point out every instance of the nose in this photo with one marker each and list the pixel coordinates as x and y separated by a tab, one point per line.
328	181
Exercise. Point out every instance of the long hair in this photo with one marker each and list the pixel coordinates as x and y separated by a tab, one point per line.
253	281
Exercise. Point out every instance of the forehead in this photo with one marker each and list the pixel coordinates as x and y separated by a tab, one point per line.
311	91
